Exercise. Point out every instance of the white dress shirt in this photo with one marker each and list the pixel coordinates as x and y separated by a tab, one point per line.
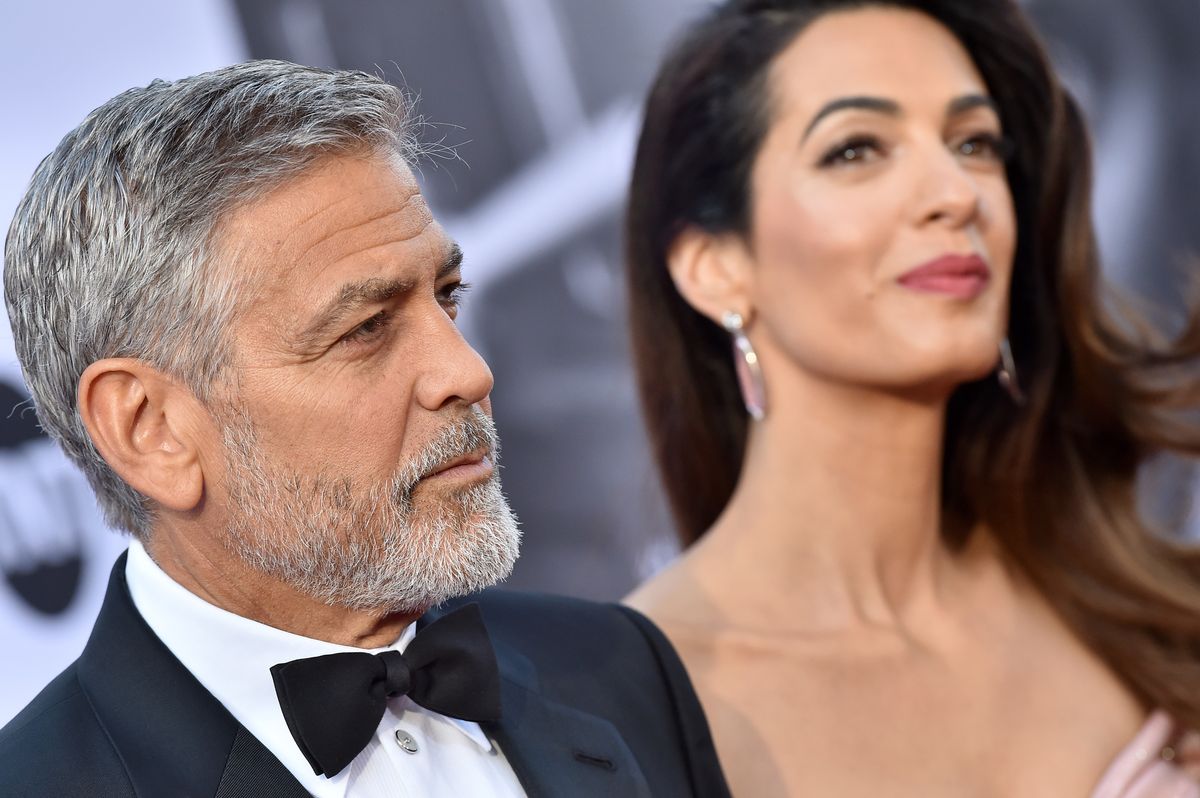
232	657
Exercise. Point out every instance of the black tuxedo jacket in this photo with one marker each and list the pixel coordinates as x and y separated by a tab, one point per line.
595	703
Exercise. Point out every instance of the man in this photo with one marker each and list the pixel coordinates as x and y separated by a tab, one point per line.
236	315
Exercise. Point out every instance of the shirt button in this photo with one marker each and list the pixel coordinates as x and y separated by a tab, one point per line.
406	741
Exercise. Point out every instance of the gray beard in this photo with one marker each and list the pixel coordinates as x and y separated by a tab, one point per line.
371	548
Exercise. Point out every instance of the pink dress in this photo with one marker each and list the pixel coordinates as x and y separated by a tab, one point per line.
1160	762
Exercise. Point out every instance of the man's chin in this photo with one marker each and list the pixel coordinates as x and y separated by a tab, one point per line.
403	552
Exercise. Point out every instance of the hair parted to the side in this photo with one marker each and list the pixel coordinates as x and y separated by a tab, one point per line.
115	249
1054	480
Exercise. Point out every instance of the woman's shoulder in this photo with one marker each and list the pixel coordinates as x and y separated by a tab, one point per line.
679	593
665	594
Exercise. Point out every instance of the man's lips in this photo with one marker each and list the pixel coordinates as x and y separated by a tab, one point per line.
960	276
474	466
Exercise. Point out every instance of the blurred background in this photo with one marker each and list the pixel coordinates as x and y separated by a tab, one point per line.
540	101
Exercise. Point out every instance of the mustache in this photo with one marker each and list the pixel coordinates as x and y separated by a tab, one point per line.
471	434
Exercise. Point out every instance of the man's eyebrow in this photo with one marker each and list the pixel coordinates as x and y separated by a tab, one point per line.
453	261
351	297
877	104
372	291
959	105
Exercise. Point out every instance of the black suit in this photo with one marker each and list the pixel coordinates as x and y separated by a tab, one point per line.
595	703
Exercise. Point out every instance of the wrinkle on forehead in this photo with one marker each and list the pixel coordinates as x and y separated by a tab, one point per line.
392	227
339	217
288	210
365	208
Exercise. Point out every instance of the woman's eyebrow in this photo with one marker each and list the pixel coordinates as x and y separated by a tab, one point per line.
968	102
882	105
877	104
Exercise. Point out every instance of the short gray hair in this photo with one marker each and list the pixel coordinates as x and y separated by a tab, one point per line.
113	251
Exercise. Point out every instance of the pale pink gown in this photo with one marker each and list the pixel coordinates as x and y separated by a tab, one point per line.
1159	762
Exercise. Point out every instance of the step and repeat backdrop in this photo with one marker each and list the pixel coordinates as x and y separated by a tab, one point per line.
540	100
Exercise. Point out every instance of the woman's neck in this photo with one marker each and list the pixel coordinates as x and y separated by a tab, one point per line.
837	509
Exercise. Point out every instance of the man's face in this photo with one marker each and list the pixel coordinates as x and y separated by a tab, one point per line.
359	457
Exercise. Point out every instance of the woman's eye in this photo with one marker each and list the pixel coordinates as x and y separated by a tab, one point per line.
985	146
852	151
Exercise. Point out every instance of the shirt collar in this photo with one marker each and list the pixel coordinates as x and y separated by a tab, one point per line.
204	637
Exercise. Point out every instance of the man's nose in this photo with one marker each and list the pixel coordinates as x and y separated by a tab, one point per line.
454	373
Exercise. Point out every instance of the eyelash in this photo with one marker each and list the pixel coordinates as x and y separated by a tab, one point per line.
369	329
998	148
840	154
450	297
454	294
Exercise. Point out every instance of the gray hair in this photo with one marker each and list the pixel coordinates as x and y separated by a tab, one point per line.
115	248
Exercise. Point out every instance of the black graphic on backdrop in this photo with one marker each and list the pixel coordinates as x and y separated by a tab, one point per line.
40	520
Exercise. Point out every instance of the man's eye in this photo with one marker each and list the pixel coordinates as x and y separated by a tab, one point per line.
858	149
370	329
453	294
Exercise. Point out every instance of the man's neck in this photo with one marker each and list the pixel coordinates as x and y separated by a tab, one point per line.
222	579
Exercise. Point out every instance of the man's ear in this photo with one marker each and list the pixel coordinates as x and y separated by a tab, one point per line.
711	272
144	425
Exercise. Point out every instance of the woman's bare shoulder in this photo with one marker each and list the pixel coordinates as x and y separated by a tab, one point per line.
667	592
678	599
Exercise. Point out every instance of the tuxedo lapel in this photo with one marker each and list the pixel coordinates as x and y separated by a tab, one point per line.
557	750
252	770
174	737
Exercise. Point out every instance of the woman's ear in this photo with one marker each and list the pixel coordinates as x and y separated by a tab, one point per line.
143	424
712	272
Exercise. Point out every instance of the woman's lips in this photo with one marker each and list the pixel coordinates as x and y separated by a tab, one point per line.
959	276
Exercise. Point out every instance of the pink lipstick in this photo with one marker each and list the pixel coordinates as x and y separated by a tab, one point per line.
959	276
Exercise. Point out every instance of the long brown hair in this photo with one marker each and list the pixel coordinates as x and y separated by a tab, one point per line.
1053	479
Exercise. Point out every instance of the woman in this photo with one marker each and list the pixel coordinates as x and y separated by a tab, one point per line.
915	562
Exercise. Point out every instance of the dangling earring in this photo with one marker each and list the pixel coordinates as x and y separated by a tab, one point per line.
1007	375
745	362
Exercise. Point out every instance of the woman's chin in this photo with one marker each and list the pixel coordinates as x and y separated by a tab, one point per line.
935	382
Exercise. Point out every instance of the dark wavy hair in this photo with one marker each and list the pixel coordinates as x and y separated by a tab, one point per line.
1053	479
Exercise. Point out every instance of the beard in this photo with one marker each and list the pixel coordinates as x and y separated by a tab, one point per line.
376	547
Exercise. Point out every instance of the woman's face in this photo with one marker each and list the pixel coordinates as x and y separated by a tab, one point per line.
883	230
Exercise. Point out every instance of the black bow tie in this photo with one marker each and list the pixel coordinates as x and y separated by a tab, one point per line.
334	703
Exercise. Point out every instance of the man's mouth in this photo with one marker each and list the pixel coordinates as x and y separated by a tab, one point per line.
471	467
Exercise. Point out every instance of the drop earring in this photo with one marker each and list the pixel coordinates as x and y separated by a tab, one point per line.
1007	375
745	362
